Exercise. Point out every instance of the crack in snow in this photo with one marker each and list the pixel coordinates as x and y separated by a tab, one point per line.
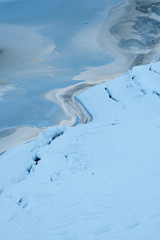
110	95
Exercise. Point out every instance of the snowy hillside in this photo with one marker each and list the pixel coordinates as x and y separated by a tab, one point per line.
95	181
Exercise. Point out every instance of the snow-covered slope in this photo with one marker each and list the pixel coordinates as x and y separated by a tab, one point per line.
95	181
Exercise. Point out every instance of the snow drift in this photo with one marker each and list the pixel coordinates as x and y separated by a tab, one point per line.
95	181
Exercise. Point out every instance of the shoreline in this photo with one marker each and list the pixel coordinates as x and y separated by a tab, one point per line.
66	98
76	113
15	136
126	56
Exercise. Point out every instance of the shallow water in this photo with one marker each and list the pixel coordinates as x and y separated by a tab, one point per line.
44	44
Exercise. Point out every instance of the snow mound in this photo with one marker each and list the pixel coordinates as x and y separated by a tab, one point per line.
51	133
133	98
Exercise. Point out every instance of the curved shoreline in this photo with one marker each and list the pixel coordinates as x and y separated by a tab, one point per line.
126	56
128	53
66	98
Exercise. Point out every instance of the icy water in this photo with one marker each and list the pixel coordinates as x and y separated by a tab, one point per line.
43	45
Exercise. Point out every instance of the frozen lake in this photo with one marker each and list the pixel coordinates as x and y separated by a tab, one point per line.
51	49
44	44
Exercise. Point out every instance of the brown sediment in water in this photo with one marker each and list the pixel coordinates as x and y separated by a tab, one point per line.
74	110
131	33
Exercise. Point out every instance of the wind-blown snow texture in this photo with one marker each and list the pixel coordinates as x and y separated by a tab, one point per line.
95	181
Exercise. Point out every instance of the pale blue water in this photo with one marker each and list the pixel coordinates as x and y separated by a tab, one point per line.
61	21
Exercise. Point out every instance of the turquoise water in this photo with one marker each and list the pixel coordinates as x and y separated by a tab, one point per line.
58	23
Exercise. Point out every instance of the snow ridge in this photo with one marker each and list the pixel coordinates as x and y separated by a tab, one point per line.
92	181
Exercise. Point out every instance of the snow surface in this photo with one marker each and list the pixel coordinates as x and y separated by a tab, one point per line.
95	181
